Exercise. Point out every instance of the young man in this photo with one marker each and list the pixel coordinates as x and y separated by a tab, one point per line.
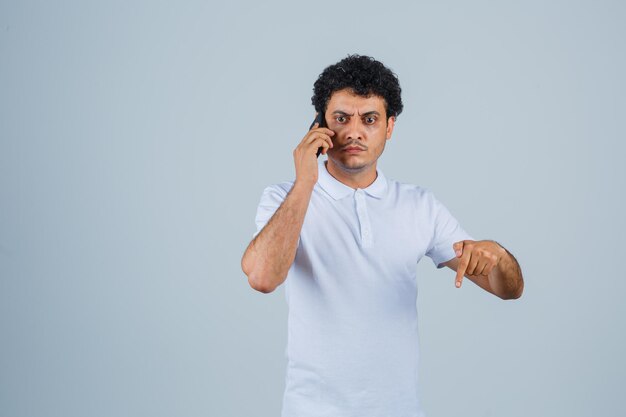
345	240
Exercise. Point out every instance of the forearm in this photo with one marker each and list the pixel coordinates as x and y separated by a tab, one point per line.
506	279
269	256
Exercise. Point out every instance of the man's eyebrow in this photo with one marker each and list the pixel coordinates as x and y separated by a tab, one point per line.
369	113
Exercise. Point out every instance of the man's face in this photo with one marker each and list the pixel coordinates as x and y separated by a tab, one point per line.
361	130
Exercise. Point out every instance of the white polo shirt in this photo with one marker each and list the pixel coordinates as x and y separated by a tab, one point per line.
352	340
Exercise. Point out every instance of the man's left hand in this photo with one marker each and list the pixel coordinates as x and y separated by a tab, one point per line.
477	258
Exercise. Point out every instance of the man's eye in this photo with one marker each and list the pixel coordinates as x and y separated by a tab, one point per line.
341	119
370	120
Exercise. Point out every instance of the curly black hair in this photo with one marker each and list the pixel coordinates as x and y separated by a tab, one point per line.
365	76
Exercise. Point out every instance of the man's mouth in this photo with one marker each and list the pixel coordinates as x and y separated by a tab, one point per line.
353	149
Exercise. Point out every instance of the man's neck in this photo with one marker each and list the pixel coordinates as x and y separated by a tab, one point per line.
360	179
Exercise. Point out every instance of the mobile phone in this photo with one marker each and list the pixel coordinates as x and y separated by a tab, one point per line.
322	123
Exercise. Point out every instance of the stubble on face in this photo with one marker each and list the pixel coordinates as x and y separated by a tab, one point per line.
355	166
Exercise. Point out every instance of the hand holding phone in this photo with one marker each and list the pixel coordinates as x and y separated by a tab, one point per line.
321	120
318	138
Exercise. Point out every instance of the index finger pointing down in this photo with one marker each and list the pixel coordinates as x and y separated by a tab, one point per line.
460	270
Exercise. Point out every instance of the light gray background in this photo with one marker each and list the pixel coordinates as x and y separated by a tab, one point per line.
135	142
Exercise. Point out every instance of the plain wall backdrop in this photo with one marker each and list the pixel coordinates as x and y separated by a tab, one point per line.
136	139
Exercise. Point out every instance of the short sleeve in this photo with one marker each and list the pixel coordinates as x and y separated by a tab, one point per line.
271	199
446	232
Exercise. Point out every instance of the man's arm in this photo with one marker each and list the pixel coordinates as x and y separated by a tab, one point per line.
488	265
269	256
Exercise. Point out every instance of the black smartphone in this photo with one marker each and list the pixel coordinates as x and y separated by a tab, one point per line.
322	123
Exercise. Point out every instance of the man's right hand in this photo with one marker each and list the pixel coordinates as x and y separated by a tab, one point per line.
305	154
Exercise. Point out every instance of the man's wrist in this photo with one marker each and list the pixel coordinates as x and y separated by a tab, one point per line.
303	186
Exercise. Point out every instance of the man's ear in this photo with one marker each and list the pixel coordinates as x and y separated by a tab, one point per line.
390	124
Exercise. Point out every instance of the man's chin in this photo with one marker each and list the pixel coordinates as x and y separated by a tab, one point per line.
350	166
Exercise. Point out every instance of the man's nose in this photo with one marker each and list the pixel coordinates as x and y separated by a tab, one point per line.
354	129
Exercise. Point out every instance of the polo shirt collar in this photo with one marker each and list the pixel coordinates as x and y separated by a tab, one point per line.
336	189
